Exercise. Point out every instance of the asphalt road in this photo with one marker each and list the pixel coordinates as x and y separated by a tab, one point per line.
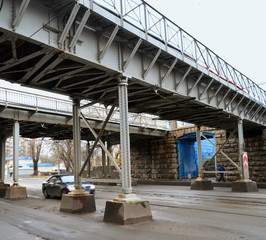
178	213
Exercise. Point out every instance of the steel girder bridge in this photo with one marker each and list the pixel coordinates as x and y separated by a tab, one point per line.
42	116
123	52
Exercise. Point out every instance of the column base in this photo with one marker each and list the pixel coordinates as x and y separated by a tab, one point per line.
3	188
126	212
16	192
244	186
201	184
77	203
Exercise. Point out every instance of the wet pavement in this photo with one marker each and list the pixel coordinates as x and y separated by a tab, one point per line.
178	213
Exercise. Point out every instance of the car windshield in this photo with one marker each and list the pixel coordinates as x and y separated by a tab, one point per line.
68	179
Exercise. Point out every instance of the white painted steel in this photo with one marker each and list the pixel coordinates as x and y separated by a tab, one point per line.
124	137
76	143
10	97
241	146
3	158
15	152
198	138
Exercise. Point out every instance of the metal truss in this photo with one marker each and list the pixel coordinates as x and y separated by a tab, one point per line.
81	48
154	24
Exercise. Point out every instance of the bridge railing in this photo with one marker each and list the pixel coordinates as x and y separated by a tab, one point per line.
144	17
9	97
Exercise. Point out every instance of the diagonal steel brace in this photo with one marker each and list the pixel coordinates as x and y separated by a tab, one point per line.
98	139
238	167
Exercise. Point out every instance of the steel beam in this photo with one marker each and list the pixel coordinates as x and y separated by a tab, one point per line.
205	90
80	29
109	42
125	64
68	24
22	9
145	72
37	66
224	96
183	78
98	137
101	143
169	71
47	69
243	110
195	84
21	60
223	153
216	93
238	104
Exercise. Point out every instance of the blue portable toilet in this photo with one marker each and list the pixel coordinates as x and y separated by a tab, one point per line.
188	153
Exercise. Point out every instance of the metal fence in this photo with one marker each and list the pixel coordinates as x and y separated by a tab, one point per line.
9	97
145	18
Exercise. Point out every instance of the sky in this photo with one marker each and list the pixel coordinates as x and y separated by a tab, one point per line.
233	29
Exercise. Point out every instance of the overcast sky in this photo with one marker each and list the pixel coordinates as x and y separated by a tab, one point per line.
233	29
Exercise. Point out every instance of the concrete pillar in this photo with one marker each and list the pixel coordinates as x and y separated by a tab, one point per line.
15	152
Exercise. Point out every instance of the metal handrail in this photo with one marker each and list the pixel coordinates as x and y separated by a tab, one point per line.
147	19
39	102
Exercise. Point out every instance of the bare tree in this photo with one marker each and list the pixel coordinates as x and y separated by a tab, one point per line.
64	152
35	150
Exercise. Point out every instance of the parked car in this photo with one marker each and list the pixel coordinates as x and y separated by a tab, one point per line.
60	184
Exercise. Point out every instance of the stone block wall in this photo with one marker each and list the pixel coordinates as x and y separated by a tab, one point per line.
155	159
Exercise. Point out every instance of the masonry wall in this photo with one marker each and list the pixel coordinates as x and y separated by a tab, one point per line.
158	159
155	159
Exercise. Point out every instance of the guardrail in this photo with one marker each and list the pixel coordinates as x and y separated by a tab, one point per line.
39	102
147	19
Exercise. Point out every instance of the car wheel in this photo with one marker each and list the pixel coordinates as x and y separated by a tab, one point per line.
45	193
64	191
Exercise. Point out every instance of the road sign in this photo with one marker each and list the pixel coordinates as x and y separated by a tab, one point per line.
245	165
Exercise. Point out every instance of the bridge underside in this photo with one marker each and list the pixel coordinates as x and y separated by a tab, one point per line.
59	127
90	69
73	77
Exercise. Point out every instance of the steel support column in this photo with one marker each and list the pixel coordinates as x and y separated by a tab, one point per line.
3	159
108	160
198	136
241	147
104	161
15	152
76	142
89	161
124	136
